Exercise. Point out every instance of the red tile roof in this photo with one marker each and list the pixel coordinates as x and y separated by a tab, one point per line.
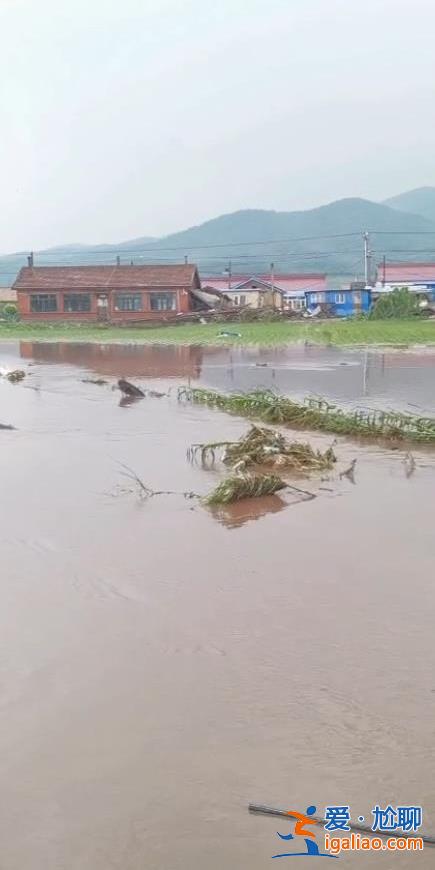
395	272
104	277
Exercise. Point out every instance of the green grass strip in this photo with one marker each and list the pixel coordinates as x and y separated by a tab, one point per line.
316	414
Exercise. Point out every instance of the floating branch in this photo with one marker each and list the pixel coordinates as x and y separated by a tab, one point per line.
147	492
349	472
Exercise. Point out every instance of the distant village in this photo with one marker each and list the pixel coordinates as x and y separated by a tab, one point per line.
121	293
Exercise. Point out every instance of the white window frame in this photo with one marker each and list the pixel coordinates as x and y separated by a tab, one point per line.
340	298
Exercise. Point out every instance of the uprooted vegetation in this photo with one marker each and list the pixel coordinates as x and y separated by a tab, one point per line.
265	447
260	448
16	376
245	485
316	414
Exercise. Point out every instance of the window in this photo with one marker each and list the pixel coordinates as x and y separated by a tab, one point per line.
243	300
340	298
235	300
162	302
43	302
128	302
76	302
297	304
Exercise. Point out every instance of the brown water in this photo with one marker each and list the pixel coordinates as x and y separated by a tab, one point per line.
162	666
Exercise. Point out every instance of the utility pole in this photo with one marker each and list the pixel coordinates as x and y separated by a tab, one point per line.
272	281
384	269
367	259
228	269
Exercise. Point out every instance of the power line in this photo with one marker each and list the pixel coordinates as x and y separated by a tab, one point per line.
193	246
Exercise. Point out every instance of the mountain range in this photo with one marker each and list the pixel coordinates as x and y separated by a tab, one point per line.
326	239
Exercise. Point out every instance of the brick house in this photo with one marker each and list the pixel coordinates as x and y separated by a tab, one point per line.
115	294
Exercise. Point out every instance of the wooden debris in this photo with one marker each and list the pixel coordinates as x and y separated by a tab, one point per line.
130	390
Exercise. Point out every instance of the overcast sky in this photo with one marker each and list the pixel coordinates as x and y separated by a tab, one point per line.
122	118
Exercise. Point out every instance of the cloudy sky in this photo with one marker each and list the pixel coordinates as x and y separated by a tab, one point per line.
122	118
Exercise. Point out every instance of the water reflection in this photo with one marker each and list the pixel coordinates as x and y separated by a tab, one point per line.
120	360
240	512
398	379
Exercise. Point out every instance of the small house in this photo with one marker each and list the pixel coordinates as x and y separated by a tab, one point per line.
114	294
418	278
284	291
343	303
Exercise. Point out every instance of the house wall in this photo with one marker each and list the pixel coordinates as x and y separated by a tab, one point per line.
183	305
255	298
252	297
344	302
56	316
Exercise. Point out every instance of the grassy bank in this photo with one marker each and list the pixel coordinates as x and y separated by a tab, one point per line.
350	332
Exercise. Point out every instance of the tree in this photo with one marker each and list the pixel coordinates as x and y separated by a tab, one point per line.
398	304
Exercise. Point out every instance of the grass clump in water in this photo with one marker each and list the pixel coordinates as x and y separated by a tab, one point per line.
317	414
265	447
240	486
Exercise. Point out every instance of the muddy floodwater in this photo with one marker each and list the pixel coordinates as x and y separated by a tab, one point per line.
161	665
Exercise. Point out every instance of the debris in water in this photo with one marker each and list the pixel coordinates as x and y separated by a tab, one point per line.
410	464
155	394
16	376
349	472
265	447
99	382
316	414
6	426
130	389
225	334
146	491
244	486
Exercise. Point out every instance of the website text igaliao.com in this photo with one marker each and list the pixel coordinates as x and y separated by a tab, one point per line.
359	843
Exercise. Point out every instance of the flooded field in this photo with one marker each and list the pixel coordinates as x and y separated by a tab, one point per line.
162	665
397	377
